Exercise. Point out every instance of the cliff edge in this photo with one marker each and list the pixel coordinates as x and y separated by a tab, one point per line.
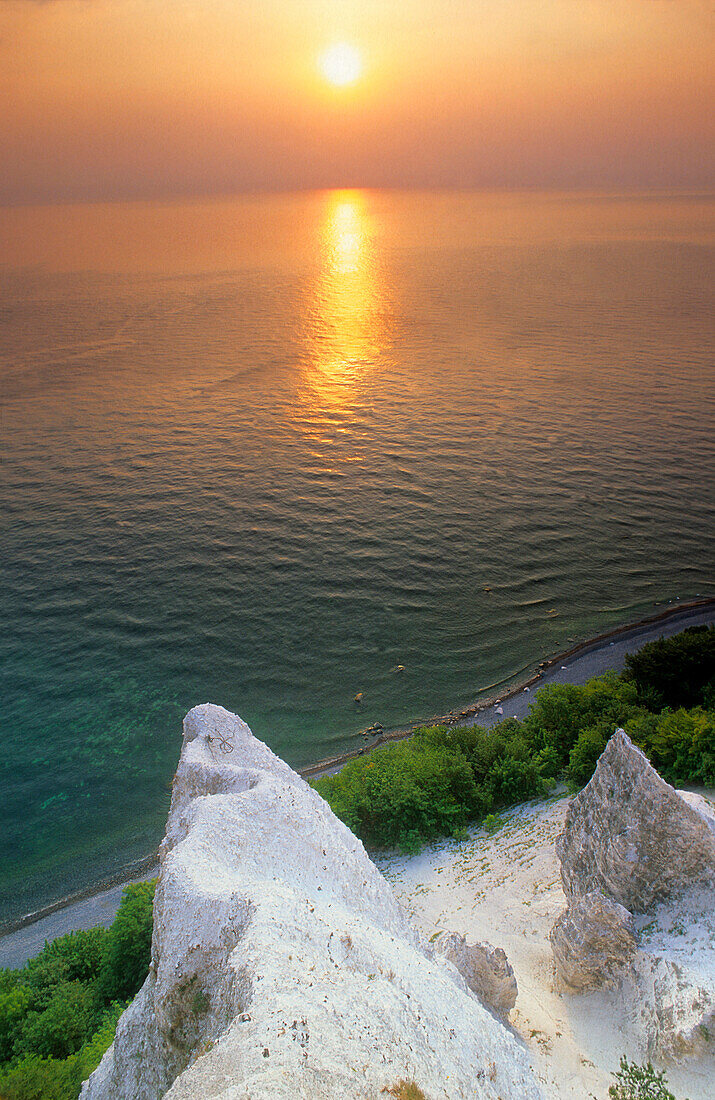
282	965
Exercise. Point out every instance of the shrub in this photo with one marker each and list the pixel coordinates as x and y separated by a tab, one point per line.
585	753
514	780
492	823
127	951
63	1026
442	777
432	784
634	1082
681	745
404	794
14	1005
74	957
78	953
674	672
90	1055
35	1078
57	1015
561	712
548	762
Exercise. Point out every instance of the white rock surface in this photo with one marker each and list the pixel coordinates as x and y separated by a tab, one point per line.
282	965
632	836
506	887
485	969
593	942
669	996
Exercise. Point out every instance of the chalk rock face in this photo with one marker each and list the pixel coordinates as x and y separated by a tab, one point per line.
593	942
630	835
485	969
282	966
669	994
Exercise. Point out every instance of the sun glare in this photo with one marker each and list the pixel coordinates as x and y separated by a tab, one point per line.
341	64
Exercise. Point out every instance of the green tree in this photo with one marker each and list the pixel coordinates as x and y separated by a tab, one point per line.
63	1026
127	951
681	746
674	672
91	1053
35	1078
584	755
561	712
15	1000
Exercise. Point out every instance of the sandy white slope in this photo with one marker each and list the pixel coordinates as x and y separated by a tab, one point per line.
506	888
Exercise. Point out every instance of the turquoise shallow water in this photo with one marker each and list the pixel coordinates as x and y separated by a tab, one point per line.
260	453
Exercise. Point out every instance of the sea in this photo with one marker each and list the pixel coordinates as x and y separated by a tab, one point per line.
264	450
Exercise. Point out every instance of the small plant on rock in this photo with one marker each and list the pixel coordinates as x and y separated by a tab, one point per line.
493	823
634	1082
405	1090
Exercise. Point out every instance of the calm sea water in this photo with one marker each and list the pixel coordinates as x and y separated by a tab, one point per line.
261	452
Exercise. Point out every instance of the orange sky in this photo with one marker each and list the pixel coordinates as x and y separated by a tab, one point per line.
103	99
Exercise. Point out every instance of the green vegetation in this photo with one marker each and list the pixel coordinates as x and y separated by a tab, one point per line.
59	1012
675	672
441	778
634	1082
125	960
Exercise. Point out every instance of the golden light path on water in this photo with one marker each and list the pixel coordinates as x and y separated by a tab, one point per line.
344	328
262	450
343	333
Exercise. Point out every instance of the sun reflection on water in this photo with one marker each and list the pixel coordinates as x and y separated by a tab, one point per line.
344	332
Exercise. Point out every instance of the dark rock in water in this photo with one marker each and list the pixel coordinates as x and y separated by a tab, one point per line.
632	836
593	942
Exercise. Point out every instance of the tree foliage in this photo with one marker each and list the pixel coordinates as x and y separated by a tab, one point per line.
59	1012
675	672
127	952
443	777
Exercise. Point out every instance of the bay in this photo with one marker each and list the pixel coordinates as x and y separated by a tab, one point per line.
261	451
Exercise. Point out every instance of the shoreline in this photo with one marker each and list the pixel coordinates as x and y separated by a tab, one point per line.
685	609
102	895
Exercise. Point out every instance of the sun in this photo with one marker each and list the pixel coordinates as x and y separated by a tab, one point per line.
341	64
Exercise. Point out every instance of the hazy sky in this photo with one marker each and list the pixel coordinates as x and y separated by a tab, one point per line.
147	98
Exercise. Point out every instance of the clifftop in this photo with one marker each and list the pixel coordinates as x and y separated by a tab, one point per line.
282	965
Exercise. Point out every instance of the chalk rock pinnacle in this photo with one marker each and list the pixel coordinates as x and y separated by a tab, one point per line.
593	941
282	966
630	835
486	970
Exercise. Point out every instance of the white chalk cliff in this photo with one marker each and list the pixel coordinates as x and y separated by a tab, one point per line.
632	844
282	966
